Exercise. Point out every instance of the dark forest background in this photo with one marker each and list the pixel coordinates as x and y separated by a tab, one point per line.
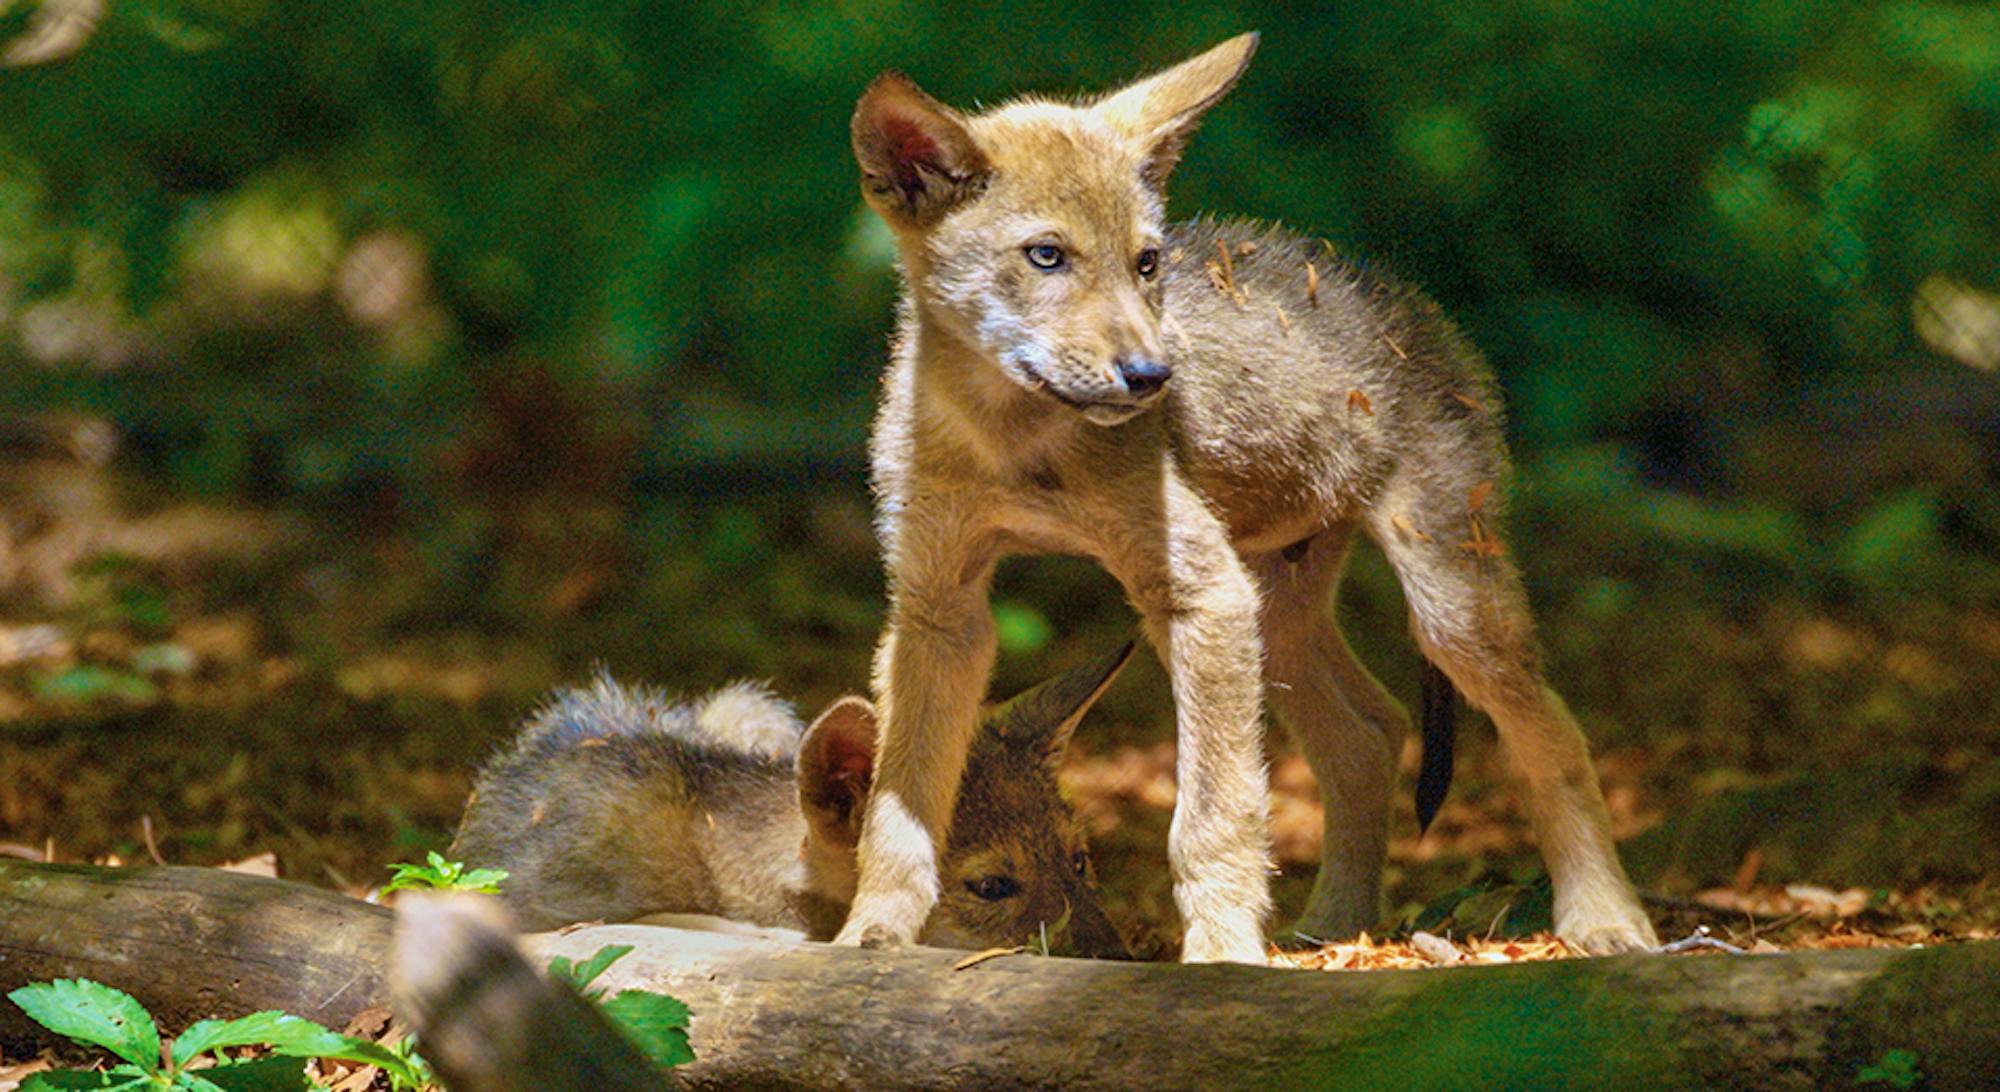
367	368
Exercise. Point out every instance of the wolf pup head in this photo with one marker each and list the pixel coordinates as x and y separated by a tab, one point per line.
1032	233
1016	869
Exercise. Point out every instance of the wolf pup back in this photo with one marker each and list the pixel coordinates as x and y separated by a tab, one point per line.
615	804
605	808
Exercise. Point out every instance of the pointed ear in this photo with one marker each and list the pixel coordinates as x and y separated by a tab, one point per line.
1160	112
917	158
1045	717
836	765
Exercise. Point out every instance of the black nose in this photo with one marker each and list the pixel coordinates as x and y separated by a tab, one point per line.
1142	374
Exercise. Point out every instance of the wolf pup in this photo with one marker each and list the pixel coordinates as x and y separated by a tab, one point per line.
614	804
1212	411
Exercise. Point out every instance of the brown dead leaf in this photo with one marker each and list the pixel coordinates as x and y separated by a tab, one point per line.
1469	402
1746	873
1312	285
1477	496
1436	949
1826	902
1402	523
1482	547
263	864
1358	402
11	1076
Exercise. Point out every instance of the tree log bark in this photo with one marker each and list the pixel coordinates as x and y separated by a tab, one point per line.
190	943
770	1014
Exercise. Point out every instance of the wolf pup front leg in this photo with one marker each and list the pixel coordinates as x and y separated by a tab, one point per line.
930	672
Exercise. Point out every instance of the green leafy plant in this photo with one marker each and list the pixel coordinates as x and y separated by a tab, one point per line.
438	874
579	976
1897	1069
418	1075
656	1023
98	1015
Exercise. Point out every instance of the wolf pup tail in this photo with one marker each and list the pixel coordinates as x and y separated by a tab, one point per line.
1440	734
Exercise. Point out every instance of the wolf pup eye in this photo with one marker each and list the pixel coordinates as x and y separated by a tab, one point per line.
1081	863
993	888
1149	263
1045	256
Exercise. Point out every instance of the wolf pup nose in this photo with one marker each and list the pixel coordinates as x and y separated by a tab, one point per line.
1143	375
1315	402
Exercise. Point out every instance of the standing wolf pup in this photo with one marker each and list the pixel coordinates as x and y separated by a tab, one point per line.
614	804
1212	411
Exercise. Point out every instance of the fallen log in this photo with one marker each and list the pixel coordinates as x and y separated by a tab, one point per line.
190	943
772	1014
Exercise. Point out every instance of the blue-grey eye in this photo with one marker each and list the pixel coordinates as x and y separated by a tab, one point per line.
1148	263
1045	256
994	888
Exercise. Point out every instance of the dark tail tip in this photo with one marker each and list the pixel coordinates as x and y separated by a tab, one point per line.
1440	734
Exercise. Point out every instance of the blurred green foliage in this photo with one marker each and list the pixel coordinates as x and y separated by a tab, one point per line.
407	259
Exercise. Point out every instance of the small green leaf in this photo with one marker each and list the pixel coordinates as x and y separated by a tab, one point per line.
289	1037
93	1013
280	1074
580	976
294	1036
1897	1069
655	1022
93	682
439	874
64	1080
401	1070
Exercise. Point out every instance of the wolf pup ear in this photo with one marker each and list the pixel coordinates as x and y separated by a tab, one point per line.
1045	716
1160	112
836	764
917	158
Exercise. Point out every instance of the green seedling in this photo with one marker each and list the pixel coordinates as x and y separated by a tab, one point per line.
656	1024
98	1015
438	874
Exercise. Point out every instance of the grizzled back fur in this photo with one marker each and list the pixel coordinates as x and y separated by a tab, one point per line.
615	803
599	809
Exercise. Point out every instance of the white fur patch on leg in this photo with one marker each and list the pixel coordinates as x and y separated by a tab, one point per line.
899	877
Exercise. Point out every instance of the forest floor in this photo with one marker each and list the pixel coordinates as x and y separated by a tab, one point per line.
205	684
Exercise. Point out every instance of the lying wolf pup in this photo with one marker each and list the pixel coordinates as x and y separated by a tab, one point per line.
1212	411
614	804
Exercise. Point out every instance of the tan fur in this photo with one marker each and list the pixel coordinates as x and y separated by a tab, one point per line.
615	804
1308	400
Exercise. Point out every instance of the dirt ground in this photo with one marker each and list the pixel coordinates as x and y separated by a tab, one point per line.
201	684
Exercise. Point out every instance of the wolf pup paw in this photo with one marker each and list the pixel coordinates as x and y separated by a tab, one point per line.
1628	932
874	935
1216	946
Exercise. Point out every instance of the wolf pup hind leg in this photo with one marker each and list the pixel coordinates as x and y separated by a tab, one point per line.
1213	411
